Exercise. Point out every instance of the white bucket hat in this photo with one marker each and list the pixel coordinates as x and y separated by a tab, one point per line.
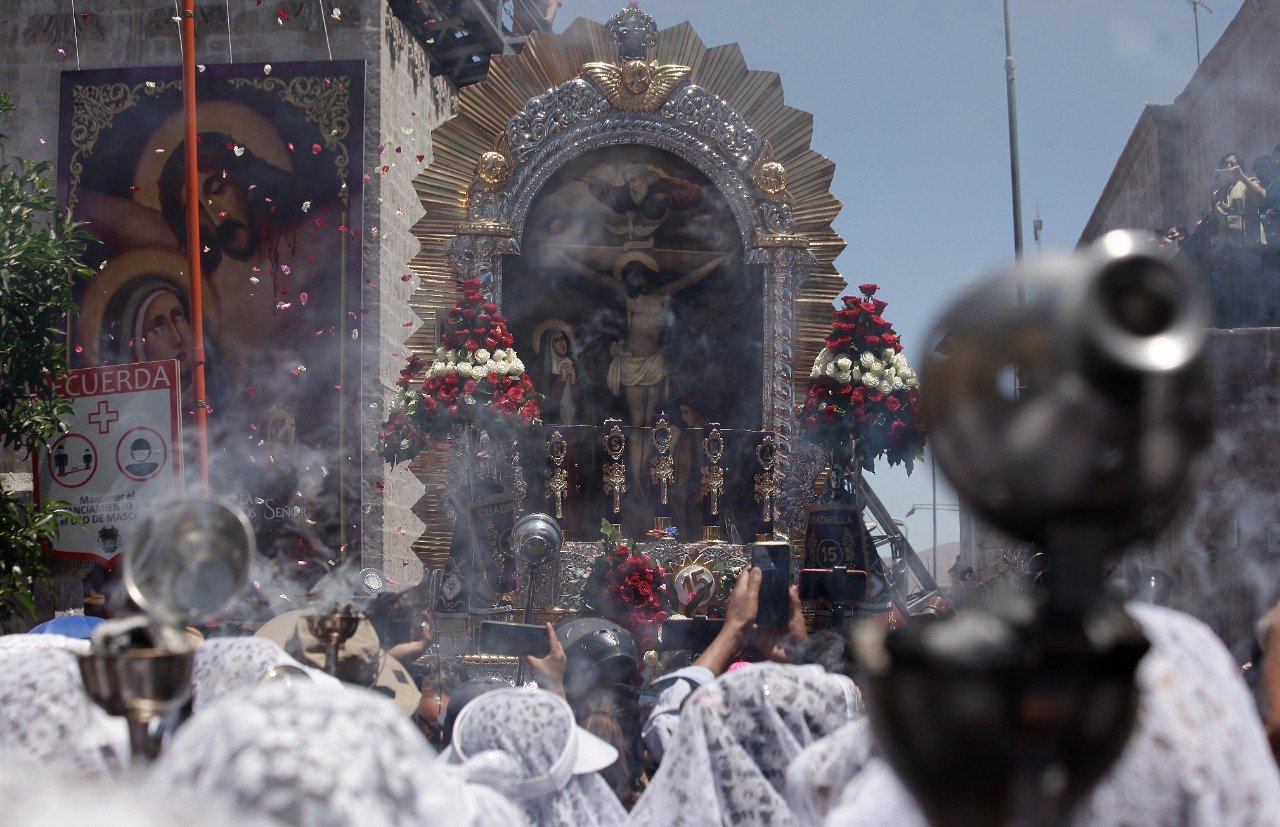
537	729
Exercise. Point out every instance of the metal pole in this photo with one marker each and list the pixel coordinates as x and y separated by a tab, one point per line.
933	474
1014	172
1015	180
1195	14
193	238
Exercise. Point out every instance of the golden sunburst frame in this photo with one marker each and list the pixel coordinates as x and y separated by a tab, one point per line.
625	82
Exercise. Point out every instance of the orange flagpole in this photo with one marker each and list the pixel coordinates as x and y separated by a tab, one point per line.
193	238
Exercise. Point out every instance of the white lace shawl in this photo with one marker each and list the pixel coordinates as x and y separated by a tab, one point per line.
47	719
735	740
227	665
320	756
1197	756
519	734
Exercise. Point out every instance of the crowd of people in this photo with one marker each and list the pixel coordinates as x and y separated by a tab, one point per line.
1236	240
762	727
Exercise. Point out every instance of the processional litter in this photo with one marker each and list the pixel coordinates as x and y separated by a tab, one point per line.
645	257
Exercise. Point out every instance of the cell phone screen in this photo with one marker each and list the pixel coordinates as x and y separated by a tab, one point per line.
497	638
773	558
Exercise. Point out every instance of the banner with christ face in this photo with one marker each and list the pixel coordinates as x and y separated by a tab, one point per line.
279	153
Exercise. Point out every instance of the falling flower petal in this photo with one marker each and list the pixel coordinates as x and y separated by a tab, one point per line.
286	269
315	149
266	70
302	297
253	279
306	205
283	305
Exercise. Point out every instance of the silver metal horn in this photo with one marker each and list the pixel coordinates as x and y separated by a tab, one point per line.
191	558
1113	410
535	537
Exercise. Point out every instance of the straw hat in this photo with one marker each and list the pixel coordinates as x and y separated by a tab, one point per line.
361	658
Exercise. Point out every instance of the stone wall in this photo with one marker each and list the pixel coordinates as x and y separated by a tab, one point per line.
403	103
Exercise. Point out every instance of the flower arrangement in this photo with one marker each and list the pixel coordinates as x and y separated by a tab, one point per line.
626	586
476	378
862	388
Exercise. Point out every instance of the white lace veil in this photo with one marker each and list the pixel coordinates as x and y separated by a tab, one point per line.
1197	755
736	737
525	742
227	665
47	719
32	797
12	643
320	756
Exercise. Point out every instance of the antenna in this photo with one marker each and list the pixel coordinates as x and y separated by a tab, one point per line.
1196	6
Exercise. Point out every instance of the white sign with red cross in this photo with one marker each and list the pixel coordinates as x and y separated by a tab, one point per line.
120	457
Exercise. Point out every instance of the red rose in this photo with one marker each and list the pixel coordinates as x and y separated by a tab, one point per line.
879	306
893	403
868	289
471	345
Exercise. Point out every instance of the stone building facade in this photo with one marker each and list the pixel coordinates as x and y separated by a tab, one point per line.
403	103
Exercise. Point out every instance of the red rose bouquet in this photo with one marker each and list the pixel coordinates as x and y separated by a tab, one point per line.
476	378
626	586
862	388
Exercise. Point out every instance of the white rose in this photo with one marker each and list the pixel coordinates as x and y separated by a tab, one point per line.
889	354
843	378
844	363
481	356
491	367
856	373
897	383
512	370
869	380
440	354
515	360
830	369
885	387
876	366
867	358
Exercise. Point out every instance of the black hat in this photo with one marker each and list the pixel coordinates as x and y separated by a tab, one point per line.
599	653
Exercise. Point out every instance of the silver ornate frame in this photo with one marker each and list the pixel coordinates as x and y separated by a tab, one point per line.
695	125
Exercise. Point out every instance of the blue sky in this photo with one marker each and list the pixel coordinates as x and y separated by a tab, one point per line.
908	98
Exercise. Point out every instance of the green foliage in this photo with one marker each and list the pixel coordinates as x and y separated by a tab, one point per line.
40	252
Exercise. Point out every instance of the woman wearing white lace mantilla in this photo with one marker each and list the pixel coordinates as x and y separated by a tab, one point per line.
524	743
736	737
1197	755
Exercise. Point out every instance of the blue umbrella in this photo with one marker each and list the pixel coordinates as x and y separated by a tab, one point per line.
78	626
